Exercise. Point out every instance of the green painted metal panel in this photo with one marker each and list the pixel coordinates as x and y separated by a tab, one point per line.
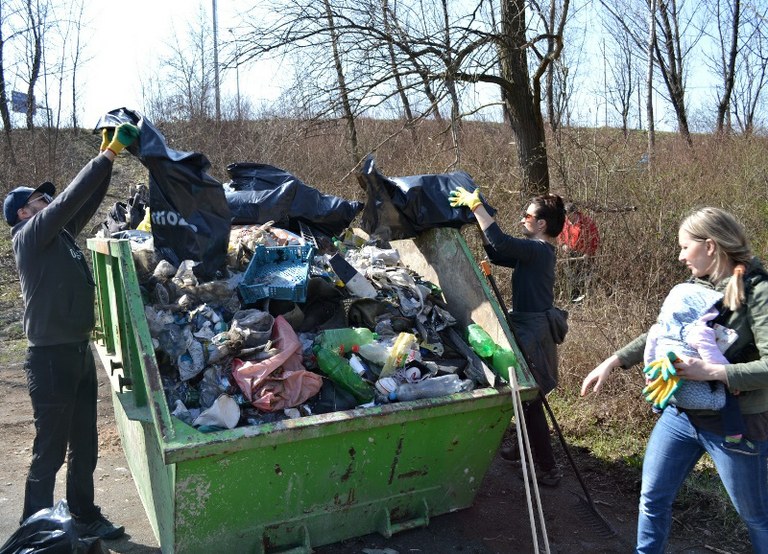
286	486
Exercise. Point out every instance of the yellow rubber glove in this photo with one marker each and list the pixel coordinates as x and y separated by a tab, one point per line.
659	391
663	366
106	138
462	197
663	381
125	135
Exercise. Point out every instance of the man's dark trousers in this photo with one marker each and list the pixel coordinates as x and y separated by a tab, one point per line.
63	388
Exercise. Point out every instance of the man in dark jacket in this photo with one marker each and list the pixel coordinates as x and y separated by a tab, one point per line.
58	291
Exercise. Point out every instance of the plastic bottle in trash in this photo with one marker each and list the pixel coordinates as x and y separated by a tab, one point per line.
340	372
399	354
357	364
480	341
503	359
345	339
375	352
431	388
355	281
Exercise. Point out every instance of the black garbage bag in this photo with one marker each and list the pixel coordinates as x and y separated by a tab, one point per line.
258	193
191	219
402	207
51	531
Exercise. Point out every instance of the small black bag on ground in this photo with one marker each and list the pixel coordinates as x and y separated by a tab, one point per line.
51	531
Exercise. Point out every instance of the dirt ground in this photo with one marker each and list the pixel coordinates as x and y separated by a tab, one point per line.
498	522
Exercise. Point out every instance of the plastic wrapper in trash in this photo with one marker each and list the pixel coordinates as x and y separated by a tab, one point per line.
224	413
281	381
190	215
252	327
402	207
259	193
51	531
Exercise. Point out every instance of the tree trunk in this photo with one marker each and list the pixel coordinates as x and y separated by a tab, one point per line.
672	68
396	71
37	56
450	84
343	91
649	81
725	102
522	105
4	113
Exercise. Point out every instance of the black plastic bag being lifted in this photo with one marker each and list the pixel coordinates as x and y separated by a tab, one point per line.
260	193
191	219
401	207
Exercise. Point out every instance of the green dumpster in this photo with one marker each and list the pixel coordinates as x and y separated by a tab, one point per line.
295	484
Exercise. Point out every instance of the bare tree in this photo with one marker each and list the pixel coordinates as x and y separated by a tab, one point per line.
76	58
671	55
442	43
751	75
399	84
558	75
522	93
36	15
185	90
4	112
348	115
649	82
727	19
621	62
674	37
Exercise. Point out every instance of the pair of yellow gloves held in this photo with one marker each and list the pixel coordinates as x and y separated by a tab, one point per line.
118	138
662	379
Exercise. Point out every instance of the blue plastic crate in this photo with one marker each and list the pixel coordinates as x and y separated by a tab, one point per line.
279	272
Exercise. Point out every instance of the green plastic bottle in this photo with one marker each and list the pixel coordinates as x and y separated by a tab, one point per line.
480	341
340	372
346	339
503	359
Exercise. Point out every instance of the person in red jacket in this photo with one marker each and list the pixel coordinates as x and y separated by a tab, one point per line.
579	241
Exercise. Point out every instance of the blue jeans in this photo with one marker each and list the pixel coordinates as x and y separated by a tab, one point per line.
672	451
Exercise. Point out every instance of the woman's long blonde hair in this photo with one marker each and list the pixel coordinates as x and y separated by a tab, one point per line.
730	240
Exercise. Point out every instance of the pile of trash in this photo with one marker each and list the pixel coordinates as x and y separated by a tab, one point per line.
366	330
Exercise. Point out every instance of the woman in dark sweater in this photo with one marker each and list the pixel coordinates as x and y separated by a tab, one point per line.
533	315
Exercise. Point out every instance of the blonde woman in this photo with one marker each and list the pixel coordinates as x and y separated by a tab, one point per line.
714	247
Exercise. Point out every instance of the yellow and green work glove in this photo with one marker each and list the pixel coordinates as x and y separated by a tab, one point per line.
462	197
663	381
117	139
106	138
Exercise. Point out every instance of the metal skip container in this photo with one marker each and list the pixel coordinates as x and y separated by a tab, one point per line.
315	480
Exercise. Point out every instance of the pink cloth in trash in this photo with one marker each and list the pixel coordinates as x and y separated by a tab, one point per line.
281	381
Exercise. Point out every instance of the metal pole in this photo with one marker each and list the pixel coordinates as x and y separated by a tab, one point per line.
216	61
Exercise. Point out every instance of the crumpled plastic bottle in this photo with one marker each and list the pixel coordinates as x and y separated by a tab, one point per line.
431	388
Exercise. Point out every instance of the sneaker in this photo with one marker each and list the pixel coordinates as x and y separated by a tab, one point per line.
100	527
510	453
741	447
549	478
